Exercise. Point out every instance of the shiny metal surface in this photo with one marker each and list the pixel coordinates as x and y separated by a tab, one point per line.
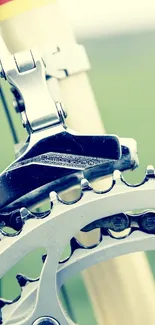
53	158
40	298
26	72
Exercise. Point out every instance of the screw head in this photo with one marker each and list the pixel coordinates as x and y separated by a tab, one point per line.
45	321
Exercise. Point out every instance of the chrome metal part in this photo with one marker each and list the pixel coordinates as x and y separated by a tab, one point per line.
53	158
24	61
52	154
54	161
39	298
26	72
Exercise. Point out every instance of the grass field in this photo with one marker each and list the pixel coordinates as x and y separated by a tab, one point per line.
123	78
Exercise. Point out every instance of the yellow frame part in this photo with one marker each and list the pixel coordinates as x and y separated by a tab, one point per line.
15	7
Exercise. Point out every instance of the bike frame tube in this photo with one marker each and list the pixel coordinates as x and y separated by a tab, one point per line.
36	27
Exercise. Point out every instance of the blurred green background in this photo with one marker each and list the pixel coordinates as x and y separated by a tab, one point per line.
123	79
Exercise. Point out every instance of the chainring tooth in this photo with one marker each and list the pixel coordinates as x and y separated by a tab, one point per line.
144	221
23	280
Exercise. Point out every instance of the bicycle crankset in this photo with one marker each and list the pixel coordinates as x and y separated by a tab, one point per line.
53	159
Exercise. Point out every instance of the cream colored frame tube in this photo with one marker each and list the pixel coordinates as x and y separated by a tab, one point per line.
122	290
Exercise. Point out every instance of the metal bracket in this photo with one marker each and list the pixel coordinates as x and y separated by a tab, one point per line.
26	72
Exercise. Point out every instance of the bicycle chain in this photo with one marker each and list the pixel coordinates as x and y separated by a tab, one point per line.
117	223
113	226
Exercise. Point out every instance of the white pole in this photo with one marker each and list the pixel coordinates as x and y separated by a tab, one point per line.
122	290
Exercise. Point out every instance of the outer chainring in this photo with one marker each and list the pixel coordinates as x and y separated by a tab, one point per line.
40	297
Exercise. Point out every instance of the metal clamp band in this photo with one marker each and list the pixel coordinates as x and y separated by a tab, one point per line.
62	62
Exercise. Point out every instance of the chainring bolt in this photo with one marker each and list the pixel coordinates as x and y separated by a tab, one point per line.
45	321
